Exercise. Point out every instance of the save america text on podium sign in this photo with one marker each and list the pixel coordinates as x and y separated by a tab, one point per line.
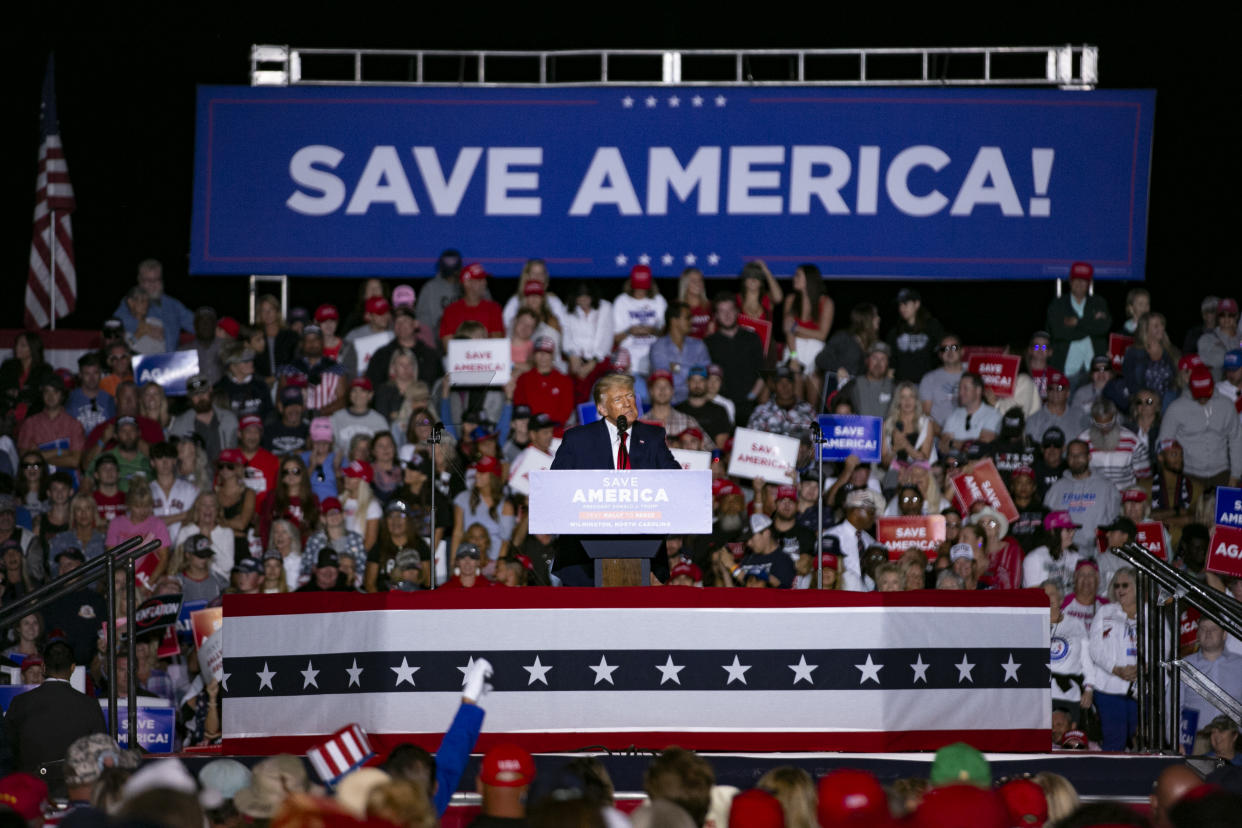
637	501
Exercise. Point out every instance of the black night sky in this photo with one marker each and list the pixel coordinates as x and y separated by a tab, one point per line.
126	81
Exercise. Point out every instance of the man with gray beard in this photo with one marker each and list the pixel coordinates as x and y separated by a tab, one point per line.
1090	499
1117	453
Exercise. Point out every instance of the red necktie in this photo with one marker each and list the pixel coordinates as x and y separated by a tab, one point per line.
623	454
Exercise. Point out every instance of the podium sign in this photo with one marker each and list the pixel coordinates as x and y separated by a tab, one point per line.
606	502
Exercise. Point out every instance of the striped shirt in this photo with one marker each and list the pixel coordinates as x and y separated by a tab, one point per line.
1124	465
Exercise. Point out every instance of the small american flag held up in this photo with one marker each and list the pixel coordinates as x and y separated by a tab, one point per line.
51	282
346	750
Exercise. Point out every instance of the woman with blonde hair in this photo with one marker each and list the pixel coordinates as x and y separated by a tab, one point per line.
287	543
153	404
692	290
362	509
275	577
1062	797
535	270
205	519
795	790
139	519
908	435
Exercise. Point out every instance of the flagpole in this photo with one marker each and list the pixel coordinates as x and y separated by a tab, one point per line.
51	273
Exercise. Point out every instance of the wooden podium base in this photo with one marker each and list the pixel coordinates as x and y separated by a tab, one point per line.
621	572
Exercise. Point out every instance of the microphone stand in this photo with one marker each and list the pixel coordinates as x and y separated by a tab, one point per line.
817	438
437	430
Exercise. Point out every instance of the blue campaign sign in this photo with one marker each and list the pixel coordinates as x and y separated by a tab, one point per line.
185	627
170	371
156	727
1228	507
900	183
847	434
587	413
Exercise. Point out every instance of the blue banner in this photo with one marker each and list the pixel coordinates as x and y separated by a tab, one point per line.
1228	506
170	371
846	434
900	183
156	726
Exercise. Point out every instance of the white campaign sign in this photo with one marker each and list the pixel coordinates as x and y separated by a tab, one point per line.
531	459
763	456
479	361
700	460
366	346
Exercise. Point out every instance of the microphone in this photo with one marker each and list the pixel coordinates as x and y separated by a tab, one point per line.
622	424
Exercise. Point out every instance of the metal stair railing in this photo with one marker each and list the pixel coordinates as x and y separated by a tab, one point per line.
122	555
1163	593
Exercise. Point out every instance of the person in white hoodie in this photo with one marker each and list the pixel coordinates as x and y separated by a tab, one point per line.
1114	661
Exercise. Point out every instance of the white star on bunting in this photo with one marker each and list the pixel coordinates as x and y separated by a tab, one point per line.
802	670
674	101
405	672
651	102
697	100
691	258
538	672
627	102
870	671
224	681
622	259
644	259
355	674
669	671
963	671
308	676
713	259
720	100
736	671
920	669
666	259
466	669
1011	669
265	678
603	671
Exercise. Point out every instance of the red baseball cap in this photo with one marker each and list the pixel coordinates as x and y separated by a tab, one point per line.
756	809
534	287
659	375
24	793
377	306
728	487
487	465
1201	384
1081	270
328	504
507	766
229	325
786	493
1189	362
361	382
1057	378
1227	305
248	421
692	432
852	797
233	456
359	469
1023	471
1025	802
474	271
1059	520
686	568
640	277
326	312
1134	495
961	806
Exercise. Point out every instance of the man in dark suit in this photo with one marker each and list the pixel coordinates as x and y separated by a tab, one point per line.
604	445
43	722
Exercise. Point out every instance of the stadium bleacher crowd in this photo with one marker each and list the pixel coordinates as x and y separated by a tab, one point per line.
304	455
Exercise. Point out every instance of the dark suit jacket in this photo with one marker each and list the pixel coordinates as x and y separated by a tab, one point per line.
1062	334
43	722
588	447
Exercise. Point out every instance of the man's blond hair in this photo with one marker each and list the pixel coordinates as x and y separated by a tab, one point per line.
610	381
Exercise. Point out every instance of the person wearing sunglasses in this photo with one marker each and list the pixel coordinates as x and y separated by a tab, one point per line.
291	500
1215	343
938	388
972	421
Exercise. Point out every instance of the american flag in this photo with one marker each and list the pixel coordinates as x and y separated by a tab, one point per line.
703	668
51	249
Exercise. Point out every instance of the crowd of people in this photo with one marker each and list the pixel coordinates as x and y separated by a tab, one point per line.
309	447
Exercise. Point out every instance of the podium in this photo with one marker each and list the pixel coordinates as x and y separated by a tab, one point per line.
622	516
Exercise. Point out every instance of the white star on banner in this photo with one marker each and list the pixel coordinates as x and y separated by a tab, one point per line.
666	259
466	669
603	671
720	100
627	102
224	681
669	671
870	671
538	672
265	678
622	259
697	100
1011	669
691	258
651	102
802	670
713	259
405	672
963	671
355	674
644	259
736	671
308	676
674	101
920	669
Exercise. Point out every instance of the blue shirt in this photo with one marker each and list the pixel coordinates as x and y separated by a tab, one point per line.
175	316
666	356
88	412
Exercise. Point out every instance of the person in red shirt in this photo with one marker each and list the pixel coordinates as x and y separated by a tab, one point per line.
109	499
545	390
472	307
262	467
468	576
